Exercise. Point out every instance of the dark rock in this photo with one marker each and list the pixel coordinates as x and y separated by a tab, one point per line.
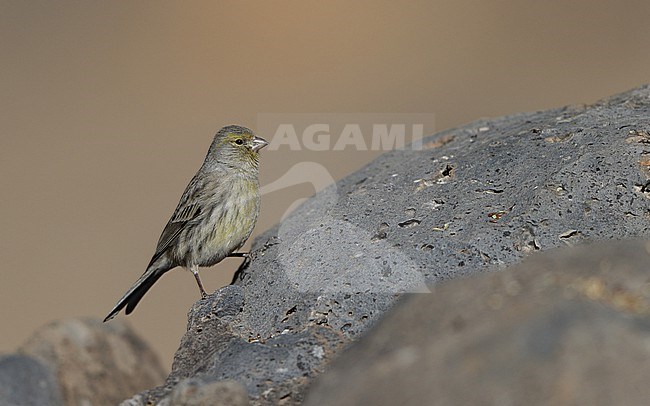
195	392
24	381
211	351
563	328
473	199
95	363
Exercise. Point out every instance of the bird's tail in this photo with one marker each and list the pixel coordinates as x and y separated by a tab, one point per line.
139	288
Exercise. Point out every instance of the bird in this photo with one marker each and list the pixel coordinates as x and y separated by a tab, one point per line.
214	217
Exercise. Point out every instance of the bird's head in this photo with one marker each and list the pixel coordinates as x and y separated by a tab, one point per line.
236	147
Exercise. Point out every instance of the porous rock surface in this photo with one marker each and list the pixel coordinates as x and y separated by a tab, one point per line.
563	328
471	200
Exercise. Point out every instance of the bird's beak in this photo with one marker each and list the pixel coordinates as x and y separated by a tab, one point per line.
259	143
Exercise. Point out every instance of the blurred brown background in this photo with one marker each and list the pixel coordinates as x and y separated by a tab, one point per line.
108	108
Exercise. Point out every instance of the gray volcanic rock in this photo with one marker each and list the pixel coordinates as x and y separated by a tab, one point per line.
563	328
197	392
24	381
473	199
212	350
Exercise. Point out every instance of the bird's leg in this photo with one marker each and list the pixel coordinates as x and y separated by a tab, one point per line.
195	270
239	273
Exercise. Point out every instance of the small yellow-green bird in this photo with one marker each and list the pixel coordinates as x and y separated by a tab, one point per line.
214	217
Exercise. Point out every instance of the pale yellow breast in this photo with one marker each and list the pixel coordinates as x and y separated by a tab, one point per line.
234	224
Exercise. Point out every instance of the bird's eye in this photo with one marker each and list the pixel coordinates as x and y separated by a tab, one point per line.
239	141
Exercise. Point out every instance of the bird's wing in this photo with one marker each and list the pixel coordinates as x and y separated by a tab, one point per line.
188	209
